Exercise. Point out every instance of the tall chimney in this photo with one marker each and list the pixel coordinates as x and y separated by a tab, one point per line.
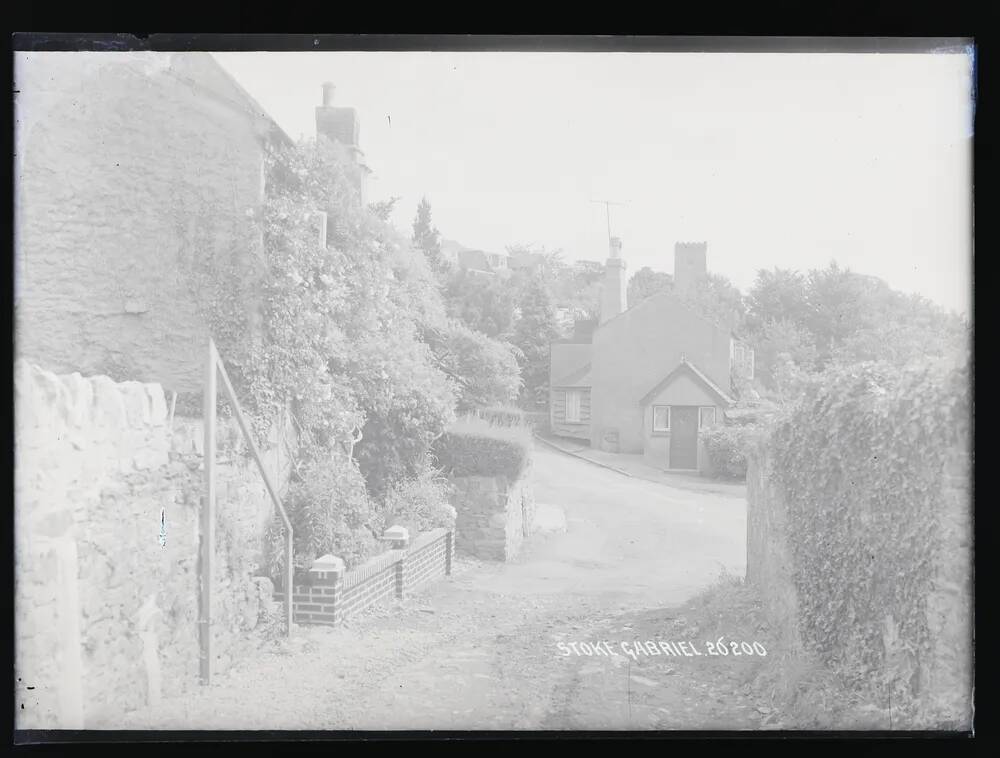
690	265
613	291
342	125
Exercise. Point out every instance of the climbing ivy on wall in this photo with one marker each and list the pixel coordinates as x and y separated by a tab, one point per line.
861	460
332	335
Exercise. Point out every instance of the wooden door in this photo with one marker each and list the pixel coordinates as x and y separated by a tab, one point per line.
684	436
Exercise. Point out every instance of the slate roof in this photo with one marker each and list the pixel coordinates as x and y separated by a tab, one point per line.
686	365
578	378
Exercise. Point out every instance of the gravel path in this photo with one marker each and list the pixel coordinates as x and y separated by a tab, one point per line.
479	650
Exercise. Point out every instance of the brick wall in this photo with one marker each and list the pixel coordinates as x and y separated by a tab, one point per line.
95	469
331	597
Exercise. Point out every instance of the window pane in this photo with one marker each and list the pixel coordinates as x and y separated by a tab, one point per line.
661	417
572	406
707	417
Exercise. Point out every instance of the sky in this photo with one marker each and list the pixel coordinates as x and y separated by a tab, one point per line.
787	160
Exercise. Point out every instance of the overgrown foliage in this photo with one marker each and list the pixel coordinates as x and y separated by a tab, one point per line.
338	341
860	460
727	448
420	503
330	513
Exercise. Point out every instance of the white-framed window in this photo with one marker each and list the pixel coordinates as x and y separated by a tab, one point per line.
573	398
661	418
706	416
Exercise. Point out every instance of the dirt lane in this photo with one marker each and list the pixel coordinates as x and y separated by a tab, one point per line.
479	651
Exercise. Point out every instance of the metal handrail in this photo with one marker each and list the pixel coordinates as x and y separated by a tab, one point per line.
216	368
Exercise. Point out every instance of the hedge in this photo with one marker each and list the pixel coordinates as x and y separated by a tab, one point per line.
501	416
726	447
475	448
860	463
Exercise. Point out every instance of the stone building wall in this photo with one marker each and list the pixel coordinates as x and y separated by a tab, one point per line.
136	175
97	472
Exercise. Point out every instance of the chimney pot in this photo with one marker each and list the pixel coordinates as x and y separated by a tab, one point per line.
328	89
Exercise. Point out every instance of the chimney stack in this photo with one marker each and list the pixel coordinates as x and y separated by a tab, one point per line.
342	125
613	291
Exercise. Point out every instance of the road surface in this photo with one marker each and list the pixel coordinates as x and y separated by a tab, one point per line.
480	650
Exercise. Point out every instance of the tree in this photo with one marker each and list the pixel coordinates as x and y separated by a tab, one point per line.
382	209
426	237
485	303
485	371
577	287
906	329
840	304
777	295
718	300
645	283
534	332
778	342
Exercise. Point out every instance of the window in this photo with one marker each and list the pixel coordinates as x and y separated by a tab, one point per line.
661	418
573	406
706	417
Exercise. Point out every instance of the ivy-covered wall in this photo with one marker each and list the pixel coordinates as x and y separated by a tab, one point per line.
859	535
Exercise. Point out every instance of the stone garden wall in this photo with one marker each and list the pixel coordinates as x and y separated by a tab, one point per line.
494	515
106	545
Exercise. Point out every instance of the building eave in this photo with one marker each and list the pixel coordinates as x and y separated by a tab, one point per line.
685	364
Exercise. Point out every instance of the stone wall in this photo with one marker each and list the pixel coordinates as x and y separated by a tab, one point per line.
769	560
96	473
945	678
494	514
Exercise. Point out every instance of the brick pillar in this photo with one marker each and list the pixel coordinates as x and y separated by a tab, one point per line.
399	538
401	575
449	550
324	591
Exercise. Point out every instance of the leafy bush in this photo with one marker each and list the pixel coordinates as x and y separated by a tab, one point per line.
330	513
472	447
727	449
421	503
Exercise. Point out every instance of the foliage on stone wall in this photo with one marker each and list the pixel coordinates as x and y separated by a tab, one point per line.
473	447
860	460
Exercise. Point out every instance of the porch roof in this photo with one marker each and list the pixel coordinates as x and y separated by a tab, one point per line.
686	366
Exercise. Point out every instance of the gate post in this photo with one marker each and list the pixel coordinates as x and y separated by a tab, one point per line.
207	525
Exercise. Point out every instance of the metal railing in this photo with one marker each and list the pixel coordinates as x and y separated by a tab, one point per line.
214	369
